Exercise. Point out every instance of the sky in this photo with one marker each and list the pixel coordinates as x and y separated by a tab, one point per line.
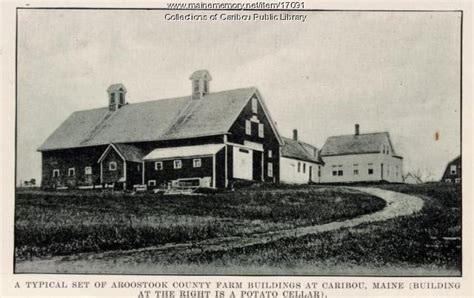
387	71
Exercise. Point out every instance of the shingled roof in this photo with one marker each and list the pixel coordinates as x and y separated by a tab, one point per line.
299	150
356	144
165	119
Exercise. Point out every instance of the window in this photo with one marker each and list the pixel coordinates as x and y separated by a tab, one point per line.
151	182
319	171
112	166
270	153
248	127
447	180
370	171
88	170
304	168
260	130
196	85
158	166
71	172
197	162
453	169
254	105
340	172
243	150
177	164
457	180
55	173
388	150
270	169
334	170
356	169
138	168
299	167
112	98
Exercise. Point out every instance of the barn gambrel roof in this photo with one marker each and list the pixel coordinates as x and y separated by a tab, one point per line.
166	119
356	144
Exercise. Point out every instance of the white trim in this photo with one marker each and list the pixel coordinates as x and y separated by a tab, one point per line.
143	172
175	164
73	172
270	120
154	182
112	163
156	168
248	145
101	175
226	181
124	173
107	151
56	170
214	171
85	170
197	160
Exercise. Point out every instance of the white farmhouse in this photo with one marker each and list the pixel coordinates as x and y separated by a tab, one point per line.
360	158
299	161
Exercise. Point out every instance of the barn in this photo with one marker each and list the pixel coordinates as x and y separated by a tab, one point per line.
203	139
358	157
452	173
300	162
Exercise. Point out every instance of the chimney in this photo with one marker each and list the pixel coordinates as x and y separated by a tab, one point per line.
116	94
200	83
295	134
357	129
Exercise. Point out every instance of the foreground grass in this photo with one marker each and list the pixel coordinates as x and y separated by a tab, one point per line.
428	239
65	223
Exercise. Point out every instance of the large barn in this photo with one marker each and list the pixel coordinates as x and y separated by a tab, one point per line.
452	173
360	157
206	138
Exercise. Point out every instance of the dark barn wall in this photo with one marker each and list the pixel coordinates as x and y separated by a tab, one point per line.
77	158
134	174
269	140
109	176
447	172
169	173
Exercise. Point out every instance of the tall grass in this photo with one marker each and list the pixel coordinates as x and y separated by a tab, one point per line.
63	223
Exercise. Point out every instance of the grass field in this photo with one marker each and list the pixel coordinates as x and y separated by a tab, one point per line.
428	240
67	223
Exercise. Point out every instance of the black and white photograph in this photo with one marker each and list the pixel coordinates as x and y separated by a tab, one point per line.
213	141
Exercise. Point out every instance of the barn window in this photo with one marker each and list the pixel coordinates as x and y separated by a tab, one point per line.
158	166
260	130
197	162
304	167
334	170
270	153
453	169
88	170
151	182
177	164
112	166
71	172
457	180
319	171
248	127
55	173
370	170
270	169
254	105
299	167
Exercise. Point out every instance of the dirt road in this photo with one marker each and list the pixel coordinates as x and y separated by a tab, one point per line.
398	204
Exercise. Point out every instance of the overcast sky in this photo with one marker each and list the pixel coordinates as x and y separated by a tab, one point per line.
396	72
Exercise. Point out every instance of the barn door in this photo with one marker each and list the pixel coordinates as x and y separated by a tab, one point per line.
257	166
242	163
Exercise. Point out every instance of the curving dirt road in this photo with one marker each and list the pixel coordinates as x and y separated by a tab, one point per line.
398	204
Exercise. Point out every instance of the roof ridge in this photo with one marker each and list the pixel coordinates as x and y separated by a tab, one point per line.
361	134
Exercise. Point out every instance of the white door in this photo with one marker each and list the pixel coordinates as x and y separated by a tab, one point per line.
242	163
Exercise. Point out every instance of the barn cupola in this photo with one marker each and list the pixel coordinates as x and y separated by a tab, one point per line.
200	83
116	96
